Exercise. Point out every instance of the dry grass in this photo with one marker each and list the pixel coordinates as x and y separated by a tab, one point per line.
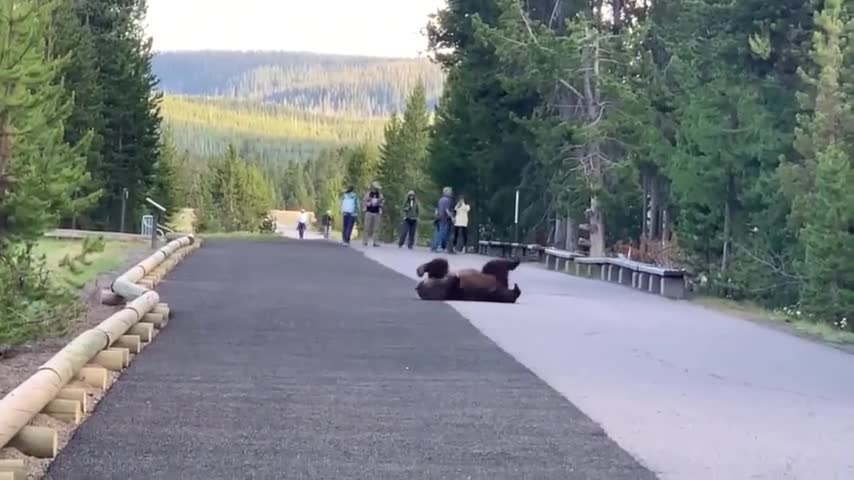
55	250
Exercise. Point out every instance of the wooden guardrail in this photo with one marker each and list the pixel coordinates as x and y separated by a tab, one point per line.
667	282
510	249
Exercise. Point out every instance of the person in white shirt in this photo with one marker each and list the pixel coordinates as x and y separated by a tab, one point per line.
303	222
461	224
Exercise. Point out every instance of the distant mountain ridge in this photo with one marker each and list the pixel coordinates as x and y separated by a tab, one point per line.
321	83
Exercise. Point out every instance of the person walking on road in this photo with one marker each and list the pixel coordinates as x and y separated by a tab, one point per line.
326	222
302	223
350	211
461	224
444	216
373	214
410	221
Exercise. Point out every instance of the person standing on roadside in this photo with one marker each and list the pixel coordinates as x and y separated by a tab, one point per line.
350	211
444	216
373	213
410	221
461	224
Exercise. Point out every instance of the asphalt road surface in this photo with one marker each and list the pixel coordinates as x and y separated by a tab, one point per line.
692	393
305	359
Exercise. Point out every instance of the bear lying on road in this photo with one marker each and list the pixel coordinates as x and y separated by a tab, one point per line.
490	284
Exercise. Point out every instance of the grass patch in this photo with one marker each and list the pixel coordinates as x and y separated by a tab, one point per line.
756	313
39	291
55	250
753	312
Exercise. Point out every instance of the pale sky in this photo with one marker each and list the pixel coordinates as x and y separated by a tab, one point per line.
356	27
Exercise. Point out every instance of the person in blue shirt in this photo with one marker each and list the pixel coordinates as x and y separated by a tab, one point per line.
350	211
444	216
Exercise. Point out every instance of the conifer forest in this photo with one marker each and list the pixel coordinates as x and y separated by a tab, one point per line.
713	135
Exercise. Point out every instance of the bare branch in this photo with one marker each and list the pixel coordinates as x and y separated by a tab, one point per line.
555	11
528	25
774	268
570	87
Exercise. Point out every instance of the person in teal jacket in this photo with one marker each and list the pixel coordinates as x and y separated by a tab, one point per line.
350	211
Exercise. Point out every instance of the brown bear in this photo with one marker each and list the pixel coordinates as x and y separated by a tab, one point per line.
490	284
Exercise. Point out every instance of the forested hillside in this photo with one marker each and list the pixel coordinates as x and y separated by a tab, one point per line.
330	84
282	105
265	132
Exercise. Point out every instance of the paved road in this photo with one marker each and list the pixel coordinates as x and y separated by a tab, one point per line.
302	359
290	231
694	394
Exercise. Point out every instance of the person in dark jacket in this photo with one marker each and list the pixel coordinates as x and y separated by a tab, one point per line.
374	202
326	222
410	210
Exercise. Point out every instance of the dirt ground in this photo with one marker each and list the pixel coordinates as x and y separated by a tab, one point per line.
18	363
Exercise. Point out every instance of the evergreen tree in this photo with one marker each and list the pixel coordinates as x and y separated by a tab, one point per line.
479	148
362	164
131	118
72	38
828	239
404	159
41	176
237	196
826	118
823	203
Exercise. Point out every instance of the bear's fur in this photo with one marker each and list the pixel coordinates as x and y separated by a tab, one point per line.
490	284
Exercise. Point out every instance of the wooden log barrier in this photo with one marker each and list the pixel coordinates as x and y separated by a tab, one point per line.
76	394
39	442
13	469
106	346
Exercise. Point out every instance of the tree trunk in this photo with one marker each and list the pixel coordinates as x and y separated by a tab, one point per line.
571	235
6	139
645	205
654	209
558	239
594	160
597	228
665	212
727	221
617	15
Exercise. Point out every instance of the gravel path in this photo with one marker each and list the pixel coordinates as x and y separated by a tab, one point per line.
693	393
303	359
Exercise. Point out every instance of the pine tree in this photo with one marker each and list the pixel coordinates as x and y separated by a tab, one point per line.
362	163
479	147
826	118
237	196
132	119
825	201
404	158
73	38
41	176
828	239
